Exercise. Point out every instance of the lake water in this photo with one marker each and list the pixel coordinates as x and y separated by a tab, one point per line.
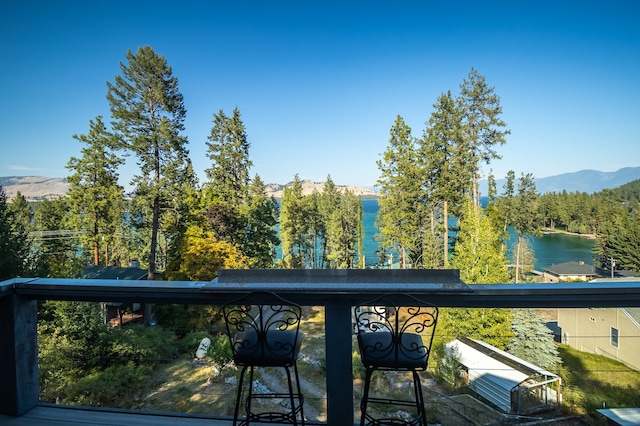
550	249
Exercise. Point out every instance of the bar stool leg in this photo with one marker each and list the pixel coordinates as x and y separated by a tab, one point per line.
365	396
238	396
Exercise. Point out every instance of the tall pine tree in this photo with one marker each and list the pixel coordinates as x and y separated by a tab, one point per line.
96	200
482	124
148	118
401	214
14	242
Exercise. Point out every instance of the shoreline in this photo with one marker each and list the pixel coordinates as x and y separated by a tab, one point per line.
573	234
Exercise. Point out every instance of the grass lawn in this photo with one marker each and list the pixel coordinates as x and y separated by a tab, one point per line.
593	381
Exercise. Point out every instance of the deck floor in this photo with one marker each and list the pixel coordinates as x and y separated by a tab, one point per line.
51	415
60	415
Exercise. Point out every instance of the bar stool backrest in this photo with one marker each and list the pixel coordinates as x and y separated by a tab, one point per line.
263	329
395	333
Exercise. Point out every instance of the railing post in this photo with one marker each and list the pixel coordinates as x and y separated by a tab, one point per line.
338	343
18	355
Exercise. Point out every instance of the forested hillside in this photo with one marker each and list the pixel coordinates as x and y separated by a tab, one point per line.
629	191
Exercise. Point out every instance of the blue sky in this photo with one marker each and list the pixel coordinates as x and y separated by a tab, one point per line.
320	83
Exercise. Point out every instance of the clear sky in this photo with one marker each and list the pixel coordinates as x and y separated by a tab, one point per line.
320	83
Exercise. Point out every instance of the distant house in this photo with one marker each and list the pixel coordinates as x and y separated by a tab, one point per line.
117	313
612	332
569	271
511	384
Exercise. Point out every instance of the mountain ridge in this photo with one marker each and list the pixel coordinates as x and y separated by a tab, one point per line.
37	188
588	180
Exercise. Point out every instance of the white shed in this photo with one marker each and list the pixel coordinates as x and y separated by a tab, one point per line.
508	382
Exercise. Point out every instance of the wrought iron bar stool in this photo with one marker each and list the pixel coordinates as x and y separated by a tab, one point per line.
263	329
395	334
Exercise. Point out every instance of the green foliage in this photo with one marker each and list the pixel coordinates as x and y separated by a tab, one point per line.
491	325
533	341
593	381
22	211
183	319
344	232
54	257
84	361
106	388
448	370
482	126
219	351
401	213
629	191
148	112
228	150
201	255
359	371
260	235
96	200
294	227
14	242
479	253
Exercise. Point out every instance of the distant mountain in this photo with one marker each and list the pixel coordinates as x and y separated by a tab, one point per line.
41	188
277	191
589	181
34	188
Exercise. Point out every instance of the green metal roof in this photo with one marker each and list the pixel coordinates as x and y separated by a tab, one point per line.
571	268
114	273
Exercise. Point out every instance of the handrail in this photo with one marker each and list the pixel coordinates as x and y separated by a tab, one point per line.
554	295
336	291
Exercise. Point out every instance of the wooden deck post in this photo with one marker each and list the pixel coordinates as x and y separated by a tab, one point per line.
18	355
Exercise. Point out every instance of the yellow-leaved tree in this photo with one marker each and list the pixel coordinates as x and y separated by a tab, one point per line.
202	255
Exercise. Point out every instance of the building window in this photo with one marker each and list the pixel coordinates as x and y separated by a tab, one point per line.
614	337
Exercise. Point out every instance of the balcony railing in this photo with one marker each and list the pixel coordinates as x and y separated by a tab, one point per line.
336	290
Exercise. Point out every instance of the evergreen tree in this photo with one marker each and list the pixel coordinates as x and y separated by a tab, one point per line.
533	341
622	245
96	200
14	241
480	257
261	237
228	150
328	203
344	232
22	211
294	227
482	125
447	176
401	212
54	256
148	112
479	254
226	190
525	218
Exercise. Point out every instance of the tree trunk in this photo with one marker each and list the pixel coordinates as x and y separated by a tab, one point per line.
445	213
516	279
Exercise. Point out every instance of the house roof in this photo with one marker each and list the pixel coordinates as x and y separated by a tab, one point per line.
634	313
571	268
622	416
114	273
493	373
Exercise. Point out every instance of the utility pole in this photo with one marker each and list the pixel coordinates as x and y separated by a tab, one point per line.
612	262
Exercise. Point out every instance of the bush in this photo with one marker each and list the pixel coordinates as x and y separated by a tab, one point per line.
358	368
114	386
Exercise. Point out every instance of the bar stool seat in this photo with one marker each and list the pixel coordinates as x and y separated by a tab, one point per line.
394	334
263	330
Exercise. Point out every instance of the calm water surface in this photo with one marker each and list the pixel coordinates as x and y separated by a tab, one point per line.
550	249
